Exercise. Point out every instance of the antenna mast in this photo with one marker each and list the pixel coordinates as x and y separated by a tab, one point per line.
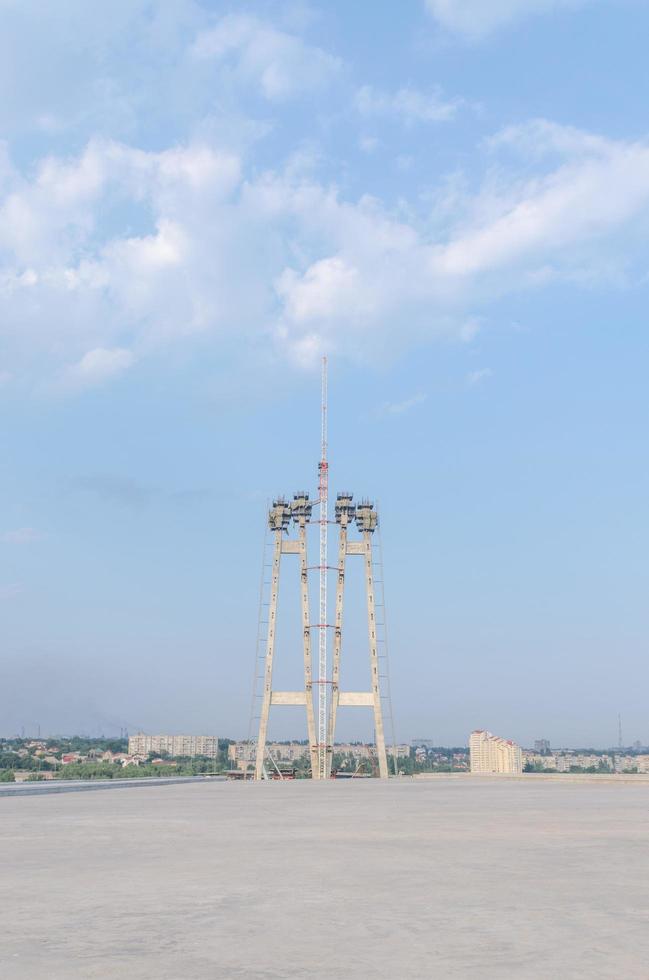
323	488
619	732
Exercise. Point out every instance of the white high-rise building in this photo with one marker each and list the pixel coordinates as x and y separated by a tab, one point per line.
489	753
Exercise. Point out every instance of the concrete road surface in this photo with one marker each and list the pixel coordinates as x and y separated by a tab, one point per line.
475	878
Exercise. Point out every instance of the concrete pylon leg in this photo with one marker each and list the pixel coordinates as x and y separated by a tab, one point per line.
280	516
374	657
270	652
366	519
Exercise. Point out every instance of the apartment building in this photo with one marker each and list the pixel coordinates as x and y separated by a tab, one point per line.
540	761
492	754
238	752
174	745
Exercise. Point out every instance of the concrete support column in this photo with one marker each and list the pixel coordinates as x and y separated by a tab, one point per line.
374	656
270	652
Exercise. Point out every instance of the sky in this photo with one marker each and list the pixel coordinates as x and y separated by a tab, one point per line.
448	198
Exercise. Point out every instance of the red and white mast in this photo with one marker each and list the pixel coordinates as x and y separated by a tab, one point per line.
323	488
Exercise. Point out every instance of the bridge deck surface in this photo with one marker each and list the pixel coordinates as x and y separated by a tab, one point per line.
448	878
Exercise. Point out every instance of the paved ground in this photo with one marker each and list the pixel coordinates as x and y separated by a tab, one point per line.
93	785
447	878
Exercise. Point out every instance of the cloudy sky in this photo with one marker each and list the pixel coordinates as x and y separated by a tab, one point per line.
450	198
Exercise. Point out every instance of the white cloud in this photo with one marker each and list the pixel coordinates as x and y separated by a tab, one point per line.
114	252
10	591
469	328
598	188
383	281
368	144
21	535
475	377
477	18
54	216
401	407
283	259
125	69
325	287
404	162
407	104
59	265
540	138
99	365
280	65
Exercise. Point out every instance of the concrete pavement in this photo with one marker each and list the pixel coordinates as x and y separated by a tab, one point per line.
449	878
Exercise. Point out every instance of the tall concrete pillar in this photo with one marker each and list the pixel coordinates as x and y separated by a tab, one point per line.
279	518
366	521
374	657
344	514
270	652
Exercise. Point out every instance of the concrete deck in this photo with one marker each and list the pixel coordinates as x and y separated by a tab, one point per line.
91	785
445	878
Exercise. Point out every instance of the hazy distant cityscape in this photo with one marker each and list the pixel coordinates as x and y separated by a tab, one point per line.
79	757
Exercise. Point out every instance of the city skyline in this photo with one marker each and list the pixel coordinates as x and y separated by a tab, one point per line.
535	746
452	204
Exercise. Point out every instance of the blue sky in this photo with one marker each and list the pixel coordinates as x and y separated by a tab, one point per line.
450	198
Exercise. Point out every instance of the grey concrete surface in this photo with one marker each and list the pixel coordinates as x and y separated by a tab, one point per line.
475	878
85	785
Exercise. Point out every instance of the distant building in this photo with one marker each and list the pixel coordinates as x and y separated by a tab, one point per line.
542	746
630	763
241	753
368	751
538	762
174	745
489	753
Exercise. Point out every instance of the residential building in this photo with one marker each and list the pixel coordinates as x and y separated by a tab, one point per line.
365	751
538	761
239	752
492	754
174	745
626	763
